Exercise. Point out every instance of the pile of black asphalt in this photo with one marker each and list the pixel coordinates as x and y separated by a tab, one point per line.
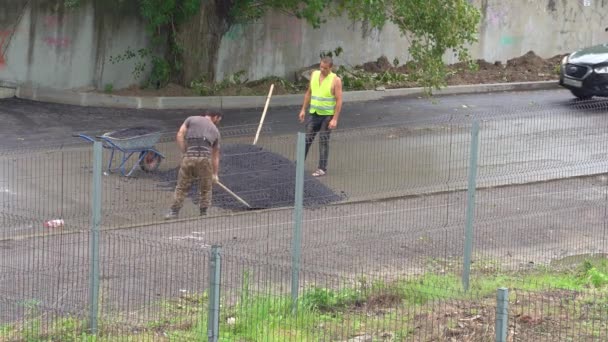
262	178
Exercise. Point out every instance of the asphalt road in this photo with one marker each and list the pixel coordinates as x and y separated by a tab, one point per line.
32	124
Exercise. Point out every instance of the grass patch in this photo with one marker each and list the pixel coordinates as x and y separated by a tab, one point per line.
429	306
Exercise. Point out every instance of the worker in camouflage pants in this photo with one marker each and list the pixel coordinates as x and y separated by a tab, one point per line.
199	140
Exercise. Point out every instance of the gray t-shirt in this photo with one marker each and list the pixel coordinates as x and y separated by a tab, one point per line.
201	135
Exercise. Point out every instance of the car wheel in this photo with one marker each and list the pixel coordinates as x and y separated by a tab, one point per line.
580	95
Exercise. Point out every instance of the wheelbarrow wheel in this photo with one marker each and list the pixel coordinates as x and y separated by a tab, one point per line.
150	161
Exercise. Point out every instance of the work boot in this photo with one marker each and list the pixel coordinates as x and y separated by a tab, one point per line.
203	211
172	214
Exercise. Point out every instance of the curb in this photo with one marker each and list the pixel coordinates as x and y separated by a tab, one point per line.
89	99
6	93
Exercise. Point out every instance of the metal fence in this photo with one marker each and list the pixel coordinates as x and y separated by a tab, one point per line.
396	242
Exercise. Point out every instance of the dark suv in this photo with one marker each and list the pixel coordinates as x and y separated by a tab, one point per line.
585	72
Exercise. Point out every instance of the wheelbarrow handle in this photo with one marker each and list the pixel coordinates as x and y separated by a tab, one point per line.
84	136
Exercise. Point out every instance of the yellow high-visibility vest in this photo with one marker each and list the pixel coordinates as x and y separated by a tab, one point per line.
322	101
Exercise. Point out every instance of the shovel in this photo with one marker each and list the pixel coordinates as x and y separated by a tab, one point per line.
234	195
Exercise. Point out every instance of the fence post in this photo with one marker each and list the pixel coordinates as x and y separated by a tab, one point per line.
296	246
470	214
502	314
94	239
215	279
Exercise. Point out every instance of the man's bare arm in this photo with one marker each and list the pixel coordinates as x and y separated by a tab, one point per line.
305	104
338	94
181	138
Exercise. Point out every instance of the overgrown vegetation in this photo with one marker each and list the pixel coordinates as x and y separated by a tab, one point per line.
434	304
162	19
432	27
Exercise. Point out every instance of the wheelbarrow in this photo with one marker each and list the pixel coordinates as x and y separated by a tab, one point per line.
129	142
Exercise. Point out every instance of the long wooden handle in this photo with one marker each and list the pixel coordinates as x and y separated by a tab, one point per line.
257	134
233	194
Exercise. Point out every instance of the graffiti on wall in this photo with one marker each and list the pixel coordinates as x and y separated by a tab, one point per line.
52	22
497	16
4	38
511	40
10	14
56	42
517	25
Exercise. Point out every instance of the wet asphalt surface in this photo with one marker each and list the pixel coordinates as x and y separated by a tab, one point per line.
260	177
520	225
34	124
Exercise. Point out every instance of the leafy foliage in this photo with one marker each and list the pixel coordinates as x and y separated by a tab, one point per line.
335	53
309	10
140	64
596	275
433	27
357	79
162	19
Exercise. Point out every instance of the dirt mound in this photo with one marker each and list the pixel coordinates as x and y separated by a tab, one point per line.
526	68
380	65
483	65
530	61
262	178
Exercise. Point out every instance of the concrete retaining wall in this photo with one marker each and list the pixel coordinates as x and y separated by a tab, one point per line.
280	45
43	44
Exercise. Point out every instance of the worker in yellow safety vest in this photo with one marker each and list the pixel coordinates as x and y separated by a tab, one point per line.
324	99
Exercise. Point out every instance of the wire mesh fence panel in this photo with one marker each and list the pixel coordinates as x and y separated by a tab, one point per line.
43	286
150	289
257	174
543	191
382	244
401	204
381	162
557	315
257	306
44	265
396	237
39	186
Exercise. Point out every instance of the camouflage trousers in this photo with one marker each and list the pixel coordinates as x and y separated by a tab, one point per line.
194	169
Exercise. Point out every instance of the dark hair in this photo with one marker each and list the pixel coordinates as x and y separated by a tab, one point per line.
213	113
328	60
